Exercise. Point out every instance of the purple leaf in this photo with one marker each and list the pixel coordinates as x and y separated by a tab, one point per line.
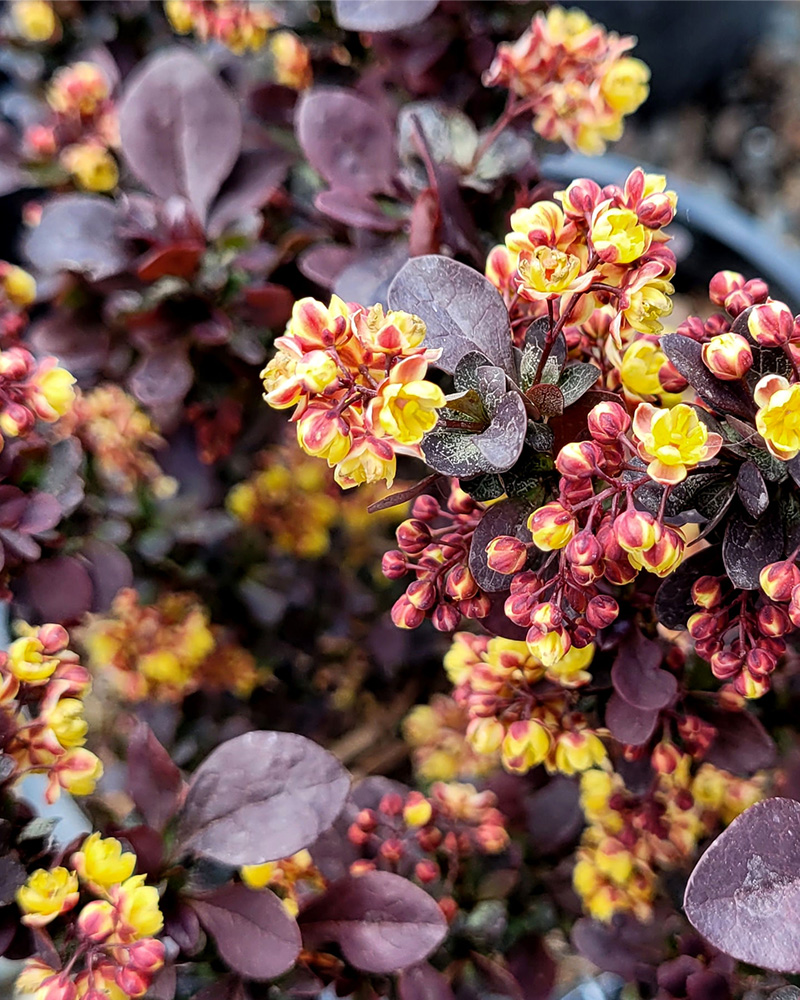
347	139
624	947
381	15
80	346
382	922
225	988
630	724
423	982
532	967
741	745
324	262
744	894
154	781
164	985
752	489
637	675
747	548
257	175
41	513
462	311
180	128
553	815
110	570
59	589
260	797
356	209
162	377
497	621
78	232
253	933
368	277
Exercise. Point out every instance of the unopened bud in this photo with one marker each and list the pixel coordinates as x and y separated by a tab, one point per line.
771	324
601	611
478	606
506	554
723	284
779	579
418	810
726	664
584	549
446	617
636	530
773	621
579	459
551	527
665	757
460	583
728	356
422	594
405	615
426	508
707	592
427	871
412	536
393	564
391	804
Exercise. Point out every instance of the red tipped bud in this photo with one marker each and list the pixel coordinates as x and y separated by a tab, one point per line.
393	564
446	618
405	615
506	554
584	549
636	530
449	908
146	955
53	638
362	866
665	757
703	625
427	871
367	820
422	594
393	849
723	284
460	583
476	607
750	686
693	327
132	983
671	379
771	324
773	621
601	611
429	838
728	356
761	662
779	579
726	664
579	459
357	836
707	592
551	527
697	734
426	508
413	536
391	804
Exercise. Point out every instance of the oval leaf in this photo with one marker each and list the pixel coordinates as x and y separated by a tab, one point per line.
382	922
79	233
637	675
180	128
347	139
262	796
253	932
423	982
744	894
462	310
381	15
747	548
154	781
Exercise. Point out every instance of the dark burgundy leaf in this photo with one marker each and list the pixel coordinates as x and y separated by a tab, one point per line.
324	262
423	982
347	139
744	894
368	277
462	310
403	496
42	512
747	548
164	985
532	967
59	589
629	724
162	377
742	745
180	128
507	517
110	570
356	209
225	988
553	815
154	781
178	260
752	489
256	176
687	356
381	15
382	922
80	346
262	796
183	926
674	604
496	977
78	232
624	946
253	932
637	675
148	846
12	876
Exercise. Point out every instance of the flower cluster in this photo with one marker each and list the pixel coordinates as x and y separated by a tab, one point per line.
436	733
42	686
521	708
82	130
293	879
240	25
434	546
574	76
17	292
121	438
629	837
357	379
31	390
111	938
165	650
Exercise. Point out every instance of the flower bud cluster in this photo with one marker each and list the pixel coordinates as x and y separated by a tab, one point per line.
574	76
31	390
42	686
436	733
165	650
356	378
630	837
520	708
82	131
742	633
117	953
121	438
240	25
434	545
17	292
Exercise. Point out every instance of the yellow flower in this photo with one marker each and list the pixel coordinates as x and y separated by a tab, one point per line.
579	751
317	371
164	667
570	671
27	662
625	85
548	647
614	861
673	440
407	412
138	908
526	744
78	772
258	876
648	304
179	15
101	862
568	27
641	363
418	811
35	20
368	462
67	722
421	725
55	387
778	417
92	166
46	894
19	286
548	271
617	234
291	62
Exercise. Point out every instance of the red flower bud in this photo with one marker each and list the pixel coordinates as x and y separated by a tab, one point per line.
692	327
357	836
579	459
703	625
53	638
506	554
460	583
726	664
446	618
519	607
773	621
601	611
779	579
771	324
671	379
449	908
392	850
476	607
146	955
584	549
761	662
429	838
426	508
422	594
665	757
393	564
131	982
636	530
728	356
427	871
723	284
405	615
367	820
413	536
707	591
391	804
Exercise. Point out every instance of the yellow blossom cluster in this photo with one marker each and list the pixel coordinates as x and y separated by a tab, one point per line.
38	669
436	733
520	707
574	76
292	878
356	378
240	25
116	928
629	838
165	650
17	292
120	437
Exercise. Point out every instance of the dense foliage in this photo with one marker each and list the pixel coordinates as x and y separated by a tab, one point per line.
469	738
